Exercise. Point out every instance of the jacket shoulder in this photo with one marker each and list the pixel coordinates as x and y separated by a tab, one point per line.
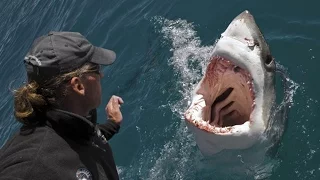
38	155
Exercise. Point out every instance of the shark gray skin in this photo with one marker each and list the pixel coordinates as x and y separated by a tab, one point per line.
231	105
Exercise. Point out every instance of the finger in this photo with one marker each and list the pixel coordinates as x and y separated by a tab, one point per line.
115	105
117	99
111	100
120	100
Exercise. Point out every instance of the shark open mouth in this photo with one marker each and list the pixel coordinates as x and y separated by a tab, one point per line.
227	97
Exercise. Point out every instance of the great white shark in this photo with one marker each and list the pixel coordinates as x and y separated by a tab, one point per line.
232	104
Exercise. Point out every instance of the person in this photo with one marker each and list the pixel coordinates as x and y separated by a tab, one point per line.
60	137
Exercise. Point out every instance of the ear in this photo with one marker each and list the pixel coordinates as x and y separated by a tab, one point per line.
77	86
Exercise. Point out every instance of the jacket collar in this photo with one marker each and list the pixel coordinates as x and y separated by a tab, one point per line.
70	124
66	123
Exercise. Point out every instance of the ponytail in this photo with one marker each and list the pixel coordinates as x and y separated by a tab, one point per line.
27	101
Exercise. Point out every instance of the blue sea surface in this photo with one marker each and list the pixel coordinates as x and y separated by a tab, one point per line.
162	48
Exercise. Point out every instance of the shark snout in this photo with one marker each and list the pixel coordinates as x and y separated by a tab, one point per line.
244	29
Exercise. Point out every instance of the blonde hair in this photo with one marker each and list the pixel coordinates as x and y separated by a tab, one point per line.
33	97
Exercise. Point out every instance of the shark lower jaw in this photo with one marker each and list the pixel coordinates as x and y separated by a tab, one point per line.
224	99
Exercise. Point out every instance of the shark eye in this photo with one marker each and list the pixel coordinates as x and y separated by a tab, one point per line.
269	59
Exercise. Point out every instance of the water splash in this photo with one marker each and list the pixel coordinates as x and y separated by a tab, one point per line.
189	58
277	123
303	137
178	157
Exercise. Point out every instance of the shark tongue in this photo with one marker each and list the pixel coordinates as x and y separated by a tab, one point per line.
230	93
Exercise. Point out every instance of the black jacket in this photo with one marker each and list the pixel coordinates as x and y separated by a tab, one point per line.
63	146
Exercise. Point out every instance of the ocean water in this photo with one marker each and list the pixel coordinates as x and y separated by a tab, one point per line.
162	49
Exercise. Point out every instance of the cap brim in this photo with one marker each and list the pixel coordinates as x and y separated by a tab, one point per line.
103	56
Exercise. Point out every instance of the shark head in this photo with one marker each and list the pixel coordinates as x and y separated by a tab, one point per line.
232	103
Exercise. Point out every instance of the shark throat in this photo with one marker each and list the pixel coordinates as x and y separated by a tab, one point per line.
228	92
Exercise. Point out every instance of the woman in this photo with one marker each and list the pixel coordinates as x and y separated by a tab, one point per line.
60	138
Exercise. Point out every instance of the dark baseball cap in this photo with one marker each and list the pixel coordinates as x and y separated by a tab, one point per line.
62	52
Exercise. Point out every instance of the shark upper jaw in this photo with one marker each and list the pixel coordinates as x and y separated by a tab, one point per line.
243	45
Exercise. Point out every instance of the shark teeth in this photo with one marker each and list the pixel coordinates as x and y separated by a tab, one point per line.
194	114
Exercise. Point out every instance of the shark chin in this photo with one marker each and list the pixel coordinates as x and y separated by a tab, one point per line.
232	103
